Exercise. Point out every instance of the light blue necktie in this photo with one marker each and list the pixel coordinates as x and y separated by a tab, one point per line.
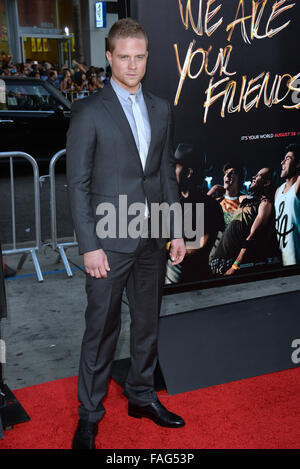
143	146
140	126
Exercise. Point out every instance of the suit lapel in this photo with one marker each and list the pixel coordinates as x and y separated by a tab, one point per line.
116	112
153	125
113	106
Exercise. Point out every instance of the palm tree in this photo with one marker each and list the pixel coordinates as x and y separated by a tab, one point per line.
76	10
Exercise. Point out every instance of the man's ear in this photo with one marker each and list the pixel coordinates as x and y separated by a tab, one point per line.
108	56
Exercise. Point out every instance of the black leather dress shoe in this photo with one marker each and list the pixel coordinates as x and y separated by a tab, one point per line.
156	412
84	437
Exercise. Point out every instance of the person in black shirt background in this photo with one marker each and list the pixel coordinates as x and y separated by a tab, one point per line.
190	177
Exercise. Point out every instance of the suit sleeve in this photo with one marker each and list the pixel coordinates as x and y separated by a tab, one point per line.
81	144
169	183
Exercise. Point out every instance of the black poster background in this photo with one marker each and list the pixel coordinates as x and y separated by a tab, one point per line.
220	139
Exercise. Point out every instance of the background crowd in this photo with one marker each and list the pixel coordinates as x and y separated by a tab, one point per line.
79	79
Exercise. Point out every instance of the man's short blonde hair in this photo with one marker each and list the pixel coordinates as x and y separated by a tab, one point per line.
125	28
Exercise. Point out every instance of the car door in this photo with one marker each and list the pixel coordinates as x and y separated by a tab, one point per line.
33	119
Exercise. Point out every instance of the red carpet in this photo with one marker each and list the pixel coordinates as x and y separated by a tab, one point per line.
257	413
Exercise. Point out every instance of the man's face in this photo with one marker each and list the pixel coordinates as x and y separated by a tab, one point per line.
260	180
231	179
289	166
128	62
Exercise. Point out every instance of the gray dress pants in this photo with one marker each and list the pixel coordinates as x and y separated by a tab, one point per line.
142	273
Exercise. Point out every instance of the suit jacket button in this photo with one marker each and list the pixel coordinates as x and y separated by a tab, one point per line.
144	178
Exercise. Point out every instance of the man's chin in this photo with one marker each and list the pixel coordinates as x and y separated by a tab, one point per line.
134	79
131	84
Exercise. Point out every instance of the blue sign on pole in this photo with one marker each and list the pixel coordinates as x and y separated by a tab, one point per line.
100	9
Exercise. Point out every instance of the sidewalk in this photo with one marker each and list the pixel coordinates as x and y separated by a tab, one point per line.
45	322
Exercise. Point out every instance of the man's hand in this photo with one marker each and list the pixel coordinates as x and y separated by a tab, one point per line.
177	251
96	263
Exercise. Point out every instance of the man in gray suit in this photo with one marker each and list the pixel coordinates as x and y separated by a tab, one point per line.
119	143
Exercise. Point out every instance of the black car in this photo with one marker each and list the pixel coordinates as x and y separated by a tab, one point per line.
34	117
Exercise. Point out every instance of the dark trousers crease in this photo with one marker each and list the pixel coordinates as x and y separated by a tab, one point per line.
142	273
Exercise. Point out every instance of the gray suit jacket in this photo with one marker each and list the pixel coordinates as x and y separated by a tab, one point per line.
103	162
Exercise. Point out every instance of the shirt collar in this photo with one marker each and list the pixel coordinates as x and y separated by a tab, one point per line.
122	93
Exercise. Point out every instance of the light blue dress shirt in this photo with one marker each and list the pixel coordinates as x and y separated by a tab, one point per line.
123	96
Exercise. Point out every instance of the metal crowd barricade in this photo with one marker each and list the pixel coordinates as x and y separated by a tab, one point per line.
58	246
32	250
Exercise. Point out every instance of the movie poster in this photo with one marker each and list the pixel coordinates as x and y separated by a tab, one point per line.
231	72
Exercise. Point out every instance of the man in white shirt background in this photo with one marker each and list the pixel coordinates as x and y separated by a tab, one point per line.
287	207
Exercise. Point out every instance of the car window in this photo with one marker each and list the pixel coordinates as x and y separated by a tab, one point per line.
29	97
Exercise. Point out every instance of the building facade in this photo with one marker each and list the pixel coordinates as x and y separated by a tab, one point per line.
43	30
